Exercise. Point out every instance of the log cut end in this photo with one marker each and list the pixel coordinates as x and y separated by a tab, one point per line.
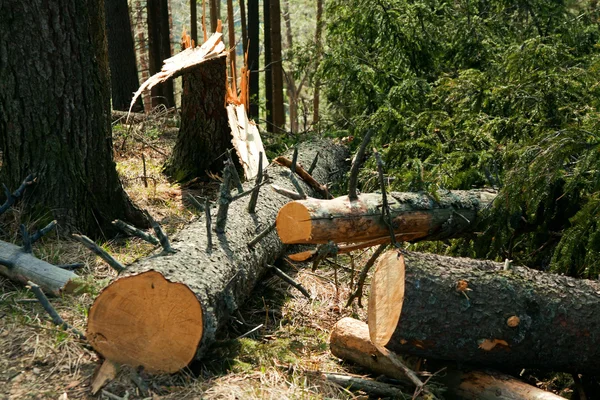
387	296
294	223
146	320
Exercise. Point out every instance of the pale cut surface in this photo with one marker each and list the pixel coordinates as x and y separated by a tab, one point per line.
293	223
146	320
387	296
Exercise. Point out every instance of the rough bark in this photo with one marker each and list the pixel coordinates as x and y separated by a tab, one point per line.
268	67
204	133
277	66
481	313
350	341
415	216
55	114
253	56
159	49
121	55
21	266
194	21
128	321
319	52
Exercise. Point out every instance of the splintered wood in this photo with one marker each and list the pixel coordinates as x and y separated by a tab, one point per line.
189	58
147	320
246	140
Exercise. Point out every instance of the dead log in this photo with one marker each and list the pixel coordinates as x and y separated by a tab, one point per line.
415	216
21	266
164	310
481	312
350	341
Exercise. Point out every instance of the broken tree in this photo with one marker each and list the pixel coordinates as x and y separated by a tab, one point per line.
350	341
484	312
415	216
164	310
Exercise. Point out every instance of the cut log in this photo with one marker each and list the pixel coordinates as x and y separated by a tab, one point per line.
21	266
483	313
416	216
350	341
165	310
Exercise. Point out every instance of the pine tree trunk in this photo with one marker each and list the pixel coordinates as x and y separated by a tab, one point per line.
163	308
292	90
159	49
194	21
231	36
121	55
142	50
319	51
214	15
244	26
268	66
277	67
253	56
55	114
483	313
204	134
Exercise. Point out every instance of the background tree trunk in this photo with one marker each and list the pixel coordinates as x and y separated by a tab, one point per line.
253	56
292	90
244	26
268	66
277	67
121	55
319	51
159	49
142	50
204	134
194	21
214	15
55	114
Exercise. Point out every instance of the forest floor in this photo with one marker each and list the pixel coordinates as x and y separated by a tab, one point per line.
285	345
279	360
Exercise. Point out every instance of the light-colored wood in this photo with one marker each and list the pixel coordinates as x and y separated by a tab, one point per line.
350	341
246	140
178	64
26	267
415	216
387	291
104	374
147	320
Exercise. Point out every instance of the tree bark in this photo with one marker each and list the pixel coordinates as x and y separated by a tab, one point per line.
143	319
292	90
277	66
268	67
214	15
481	313
204	134
253	57
55	114
121	56
194	21
244	26
350	341
231	35
415	216
319	52
159	49
142	50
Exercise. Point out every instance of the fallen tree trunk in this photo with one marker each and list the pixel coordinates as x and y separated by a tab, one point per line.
350	341
483	312
415	216
22	266
164	310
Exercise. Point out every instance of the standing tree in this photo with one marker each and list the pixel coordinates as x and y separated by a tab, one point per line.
194	21
55	114
319	48
268	69
276	66
121	55
253	53
159	49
